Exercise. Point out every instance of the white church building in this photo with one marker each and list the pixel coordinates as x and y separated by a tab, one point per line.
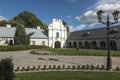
55	36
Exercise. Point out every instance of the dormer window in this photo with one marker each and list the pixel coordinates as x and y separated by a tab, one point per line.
114	31
86	34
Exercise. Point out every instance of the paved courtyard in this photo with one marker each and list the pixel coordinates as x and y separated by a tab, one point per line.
24	58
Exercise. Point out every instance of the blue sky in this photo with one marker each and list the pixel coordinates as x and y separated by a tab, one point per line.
79	14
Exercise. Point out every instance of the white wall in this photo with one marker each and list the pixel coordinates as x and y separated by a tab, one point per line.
39	41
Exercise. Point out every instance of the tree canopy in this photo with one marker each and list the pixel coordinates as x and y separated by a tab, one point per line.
28	19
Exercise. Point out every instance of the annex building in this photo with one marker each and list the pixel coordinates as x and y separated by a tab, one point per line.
56	36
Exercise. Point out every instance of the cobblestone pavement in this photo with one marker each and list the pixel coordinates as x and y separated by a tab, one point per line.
24	58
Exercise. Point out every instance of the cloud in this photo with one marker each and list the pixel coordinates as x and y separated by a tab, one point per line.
2	18
80	27
90	17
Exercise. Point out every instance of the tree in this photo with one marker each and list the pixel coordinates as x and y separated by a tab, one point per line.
28	19
4	22
65	24
6	69
21	38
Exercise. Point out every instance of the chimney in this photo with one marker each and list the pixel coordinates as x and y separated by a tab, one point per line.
8	26
38	27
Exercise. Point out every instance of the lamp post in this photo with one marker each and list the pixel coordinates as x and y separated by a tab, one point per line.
108	23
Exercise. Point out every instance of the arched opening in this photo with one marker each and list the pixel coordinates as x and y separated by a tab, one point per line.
87	45
69	45
57	44
113	45
11	42
93	45
102	45
80	45
74	45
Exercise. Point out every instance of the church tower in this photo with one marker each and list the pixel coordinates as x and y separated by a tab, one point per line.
57	34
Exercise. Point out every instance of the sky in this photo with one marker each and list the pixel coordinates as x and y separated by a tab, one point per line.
78	14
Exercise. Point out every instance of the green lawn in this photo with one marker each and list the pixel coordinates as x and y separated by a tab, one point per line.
68	76
85	52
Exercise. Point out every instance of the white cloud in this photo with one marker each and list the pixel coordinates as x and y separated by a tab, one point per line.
90	17
80	27
2	18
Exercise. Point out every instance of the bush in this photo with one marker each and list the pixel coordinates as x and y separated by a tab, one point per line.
20	47
6	69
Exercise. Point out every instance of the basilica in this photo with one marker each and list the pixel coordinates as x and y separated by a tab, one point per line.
56	36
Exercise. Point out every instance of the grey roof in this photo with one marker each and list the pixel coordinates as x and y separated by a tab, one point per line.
98	33
9	32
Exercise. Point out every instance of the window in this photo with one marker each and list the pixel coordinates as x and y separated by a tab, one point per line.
57	34
114	31
33	42
43	42
86	34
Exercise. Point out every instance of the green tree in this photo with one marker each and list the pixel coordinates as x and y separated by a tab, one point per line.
6	69
65	24
4	22
28	19
21	38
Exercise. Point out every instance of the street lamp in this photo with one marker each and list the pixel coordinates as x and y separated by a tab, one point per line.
108	23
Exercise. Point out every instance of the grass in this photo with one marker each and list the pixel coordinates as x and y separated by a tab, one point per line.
84	52
66	75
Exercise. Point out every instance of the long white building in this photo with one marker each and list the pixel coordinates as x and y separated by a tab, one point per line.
56	36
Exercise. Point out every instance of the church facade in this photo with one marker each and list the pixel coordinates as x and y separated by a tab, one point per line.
56	36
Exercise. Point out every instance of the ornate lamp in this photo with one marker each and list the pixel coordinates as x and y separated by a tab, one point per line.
99	15
116	15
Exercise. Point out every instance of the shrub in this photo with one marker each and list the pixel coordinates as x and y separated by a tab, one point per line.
6	69
20	47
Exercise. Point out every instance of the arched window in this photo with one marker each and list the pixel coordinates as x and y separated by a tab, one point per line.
93	45
102	45
80	44
69	45
74	45
57	34
87	45
113	45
